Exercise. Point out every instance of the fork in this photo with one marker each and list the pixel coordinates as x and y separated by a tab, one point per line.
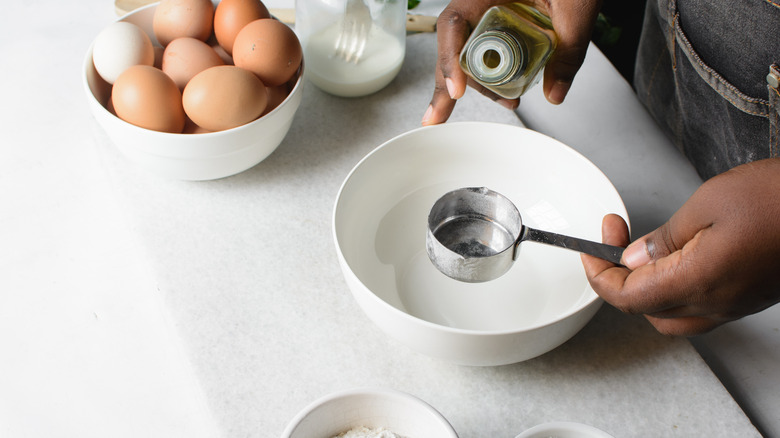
353	36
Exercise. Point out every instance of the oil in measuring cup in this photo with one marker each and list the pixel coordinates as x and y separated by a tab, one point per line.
507	51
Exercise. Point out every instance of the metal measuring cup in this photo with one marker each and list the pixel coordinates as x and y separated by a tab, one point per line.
474	234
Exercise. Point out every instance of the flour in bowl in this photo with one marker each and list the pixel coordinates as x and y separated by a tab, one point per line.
365	432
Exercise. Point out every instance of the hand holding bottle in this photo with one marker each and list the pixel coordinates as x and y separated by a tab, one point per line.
573	21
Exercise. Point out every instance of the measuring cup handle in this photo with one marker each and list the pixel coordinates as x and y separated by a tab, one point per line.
601	250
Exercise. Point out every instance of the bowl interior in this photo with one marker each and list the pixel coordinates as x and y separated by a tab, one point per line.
380	221
395	411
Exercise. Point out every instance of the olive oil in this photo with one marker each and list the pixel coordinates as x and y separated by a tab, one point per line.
509	48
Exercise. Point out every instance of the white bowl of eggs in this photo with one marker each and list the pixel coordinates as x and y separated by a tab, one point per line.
180	90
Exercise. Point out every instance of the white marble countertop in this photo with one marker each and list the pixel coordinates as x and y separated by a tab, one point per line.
134	306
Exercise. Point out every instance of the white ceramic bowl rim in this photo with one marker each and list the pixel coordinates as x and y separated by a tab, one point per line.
571	429
85	84
470	332
368	391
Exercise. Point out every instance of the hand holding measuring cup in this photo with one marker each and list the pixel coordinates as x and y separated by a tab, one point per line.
474	234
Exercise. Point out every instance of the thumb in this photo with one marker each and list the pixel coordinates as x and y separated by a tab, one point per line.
649	248
670	237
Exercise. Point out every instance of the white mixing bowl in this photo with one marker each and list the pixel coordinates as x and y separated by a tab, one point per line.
189	156
379	227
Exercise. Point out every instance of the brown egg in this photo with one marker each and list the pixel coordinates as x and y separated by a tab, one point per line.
183	18
232	15
269	49
224	97
186	57
147	97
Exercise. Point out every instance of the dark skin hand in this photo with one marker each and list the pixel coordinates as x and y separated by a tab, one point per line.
716	260
573	21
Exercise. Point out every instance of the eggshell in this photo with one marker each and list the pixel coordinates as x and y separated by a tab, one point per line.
147	97
232	15
224	97
269	49
183	18
186	57
119	46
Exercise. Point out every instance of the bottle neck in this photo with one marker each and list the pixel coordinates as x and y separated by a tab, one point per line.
496	57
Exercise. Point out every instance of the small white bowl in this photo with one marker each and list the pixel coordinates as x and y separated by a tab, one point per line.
396	411
564	429
380	222
189	156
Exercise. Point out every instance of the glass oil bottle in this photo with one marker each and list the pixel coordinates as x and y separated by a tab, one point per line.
507	51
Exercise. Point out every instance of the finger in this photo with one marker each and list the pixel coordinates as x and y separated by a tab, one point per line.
605	277
682	278
688	326
688	311
647	289
453	31
716	314
614	231
671	267
450	81
439	109
573	22
682	227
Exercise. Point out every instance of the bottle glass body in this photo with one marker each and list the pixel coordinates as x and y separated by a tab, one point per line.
507	51
318	24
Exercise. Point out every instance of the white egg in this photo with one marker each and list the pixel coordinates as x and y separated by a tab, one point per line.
119	46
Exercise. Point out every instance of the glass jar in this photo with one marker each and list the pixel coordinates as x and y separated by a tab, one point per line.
507	51
319	25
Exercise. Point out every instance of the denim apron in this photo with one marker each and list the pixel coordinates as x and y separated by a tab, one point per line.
708	72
